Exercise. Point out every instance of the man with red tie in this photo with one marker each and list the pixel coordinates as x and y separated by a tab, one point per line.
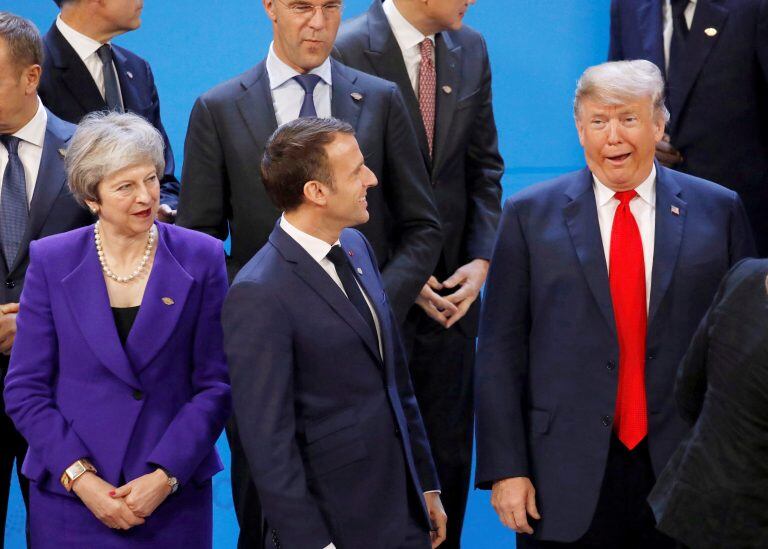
597	282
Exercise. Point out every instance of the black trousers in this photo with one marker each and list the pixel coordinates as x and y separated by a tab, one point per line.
12	449
441	363
623	519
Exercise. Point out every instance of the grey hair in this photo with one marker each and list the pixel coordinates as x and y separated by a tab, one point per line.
106	142
23	39
615	82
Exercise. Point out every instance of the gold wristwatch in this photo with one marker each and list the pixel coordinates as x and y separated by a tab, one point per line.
75	471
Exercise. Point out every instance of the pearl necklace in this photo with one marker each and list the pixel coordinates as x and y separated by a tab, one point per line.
103	260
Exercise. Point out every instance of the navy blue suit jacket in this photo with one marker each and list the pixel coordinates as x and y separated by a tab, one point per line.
546	372
68	89
331	432
719	109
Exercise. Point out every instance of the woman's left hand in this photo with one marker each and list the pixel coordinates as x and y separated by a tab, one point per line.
144	494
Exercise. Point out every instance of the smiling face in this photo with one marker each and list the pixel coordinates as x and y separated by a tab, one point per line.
128	200
346	204
304	30
619	141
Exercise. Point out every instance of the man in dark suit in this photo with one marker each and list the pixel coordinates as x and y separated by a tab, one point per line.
326	414
715	57
34	200
229	126
84	72
442	70
598	280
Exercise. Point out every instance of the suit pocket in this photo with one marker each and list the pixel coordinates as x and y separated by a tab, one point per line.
468	100
333	442
539	421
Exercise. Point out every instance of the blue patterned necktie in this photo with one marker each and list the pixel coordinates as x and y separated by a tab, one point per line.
14	209
309	83
111	89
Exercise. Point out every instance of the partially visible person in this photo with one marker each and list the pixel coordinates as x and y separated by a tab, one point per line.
714	54
328	423
34	201
714	491
84	72
598	281
117	378
442	70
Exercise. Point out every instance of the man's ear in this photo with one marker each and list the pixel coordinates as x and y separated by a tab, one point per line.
269	7
316	192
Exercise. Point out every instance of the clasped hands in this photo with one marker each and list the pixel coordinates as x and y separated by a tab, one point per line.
449	309
124	507
8	313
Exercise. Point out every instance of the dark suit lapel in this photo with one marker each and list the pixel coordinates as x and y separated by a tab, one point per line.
581	218
448	61
255	104
164	300
344	105
86	293
697	47
131	101
74	73
670	219
316	278
649	19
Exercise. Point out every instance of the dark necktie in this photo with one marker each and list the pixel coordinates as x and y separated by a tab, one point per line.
428	89
111	89
355	295
626	275
14	209
308	82
676	48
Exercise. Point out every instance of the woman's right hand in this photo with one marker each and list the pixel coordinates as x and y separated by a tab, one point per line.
94	492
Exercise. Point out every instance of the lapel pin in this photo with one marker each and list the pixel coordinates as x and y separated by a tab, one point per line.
447	89
675	210
710	31
356	96
359	271
351	253
129	74
168	301
63	153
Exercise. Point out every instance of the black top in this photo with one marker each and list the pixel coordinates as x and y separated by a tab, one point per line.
124	317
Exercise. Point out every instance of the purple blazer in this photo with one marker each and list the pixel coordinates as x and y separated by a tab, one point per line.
74	391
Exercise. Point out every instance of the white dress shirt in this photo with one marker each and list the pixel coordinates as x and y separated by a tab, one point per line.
668	24
32	137
409	39
288	95
643	208
85	47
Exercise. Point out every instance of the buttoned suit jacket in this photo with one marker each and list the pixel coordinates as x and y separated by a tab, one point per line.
68	89
548	355
466	167
719	107
331	431
222	193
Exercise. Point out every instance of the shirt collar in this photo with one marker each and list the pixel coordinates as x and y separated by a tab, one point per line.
279	73
406	34
645	190
315	247
34	131
84	46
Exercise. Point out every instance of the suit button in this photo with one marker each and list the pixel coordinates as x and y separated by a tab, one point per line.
10	284
650	357
138	395
611	365
607	420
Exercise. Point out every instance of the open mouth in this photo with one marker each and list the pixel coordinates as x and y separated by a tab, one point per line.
143	213
618	159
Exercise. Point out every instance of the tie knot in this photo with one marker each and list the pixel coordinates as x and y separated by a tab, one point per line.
336	256
308	82
11	143
426	47
625	196
678	6
105	53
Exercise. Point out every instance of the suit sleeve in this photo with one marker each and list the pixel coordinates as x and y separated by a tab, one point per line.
409	199
259	347
615	52
501	367
762	39
742	241
484	169
32	376
192	434
169	185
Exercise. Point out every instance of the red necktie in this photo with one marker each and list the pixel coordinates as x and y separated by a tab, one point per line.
427	89
627	281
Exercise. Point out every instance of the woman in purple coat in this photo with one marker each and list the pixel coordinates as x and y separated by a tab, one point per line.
117	377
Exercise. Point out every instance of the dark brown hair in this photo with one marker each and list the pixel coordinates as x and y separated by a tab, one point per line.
295	154
23	39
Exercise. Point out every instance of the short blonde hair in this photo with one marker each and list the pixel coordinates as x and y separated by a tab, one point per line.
106	142
616	82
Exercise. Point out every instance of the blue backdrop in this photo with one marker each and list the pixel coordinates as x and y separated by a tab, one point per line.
538	49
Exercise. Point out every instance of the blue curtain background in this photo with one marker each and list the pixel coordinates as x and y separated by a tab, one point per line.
538	49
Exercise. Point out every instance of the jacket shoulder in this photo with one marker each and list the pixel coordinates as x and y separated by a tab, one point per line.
188	244
227	91
353	33
63	248
696	186
369	82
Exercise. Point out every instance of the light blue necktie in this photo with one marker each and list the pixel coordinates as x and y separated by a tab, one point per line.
309	83
14	209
